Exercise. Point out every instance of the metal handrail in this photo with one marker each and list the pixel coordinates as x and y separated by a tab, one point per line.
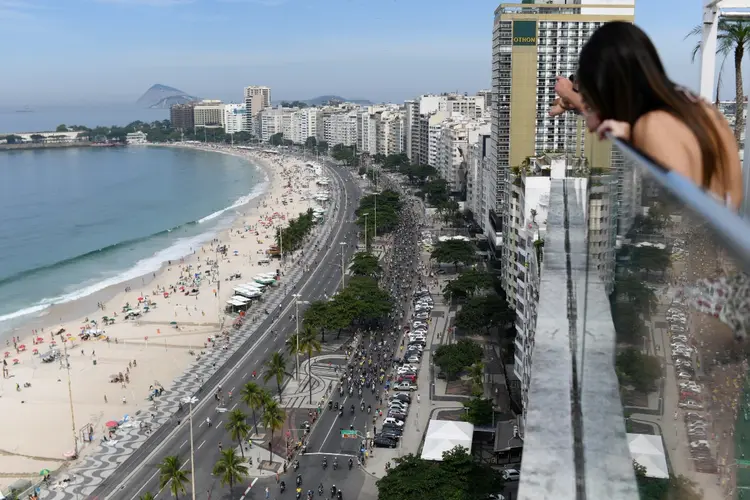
728	226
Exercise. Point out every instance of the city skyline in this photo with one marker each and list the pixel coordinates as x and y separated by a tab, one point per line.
429	46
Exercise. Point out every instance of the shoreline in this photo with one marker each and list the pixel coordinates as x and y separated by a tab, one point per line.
87	305
198	317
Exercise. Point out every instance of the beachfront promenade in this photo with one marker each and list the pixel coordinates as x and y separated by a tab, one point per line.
228	368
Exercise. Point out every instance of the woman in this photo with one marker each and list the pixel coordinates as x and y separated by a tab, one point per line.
625	91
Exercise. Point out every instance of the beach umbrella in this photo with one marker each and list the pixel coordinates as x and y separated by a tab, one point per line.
44	472
22	346
111	424
172	322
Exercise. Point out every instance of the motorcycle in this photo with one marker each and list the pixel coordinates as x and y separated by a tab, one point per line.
351	463
330	405
299	493
335	465
339	496
296	466
361	407
333	490
299	480
352	409
341	412
320	491
325	463
282	486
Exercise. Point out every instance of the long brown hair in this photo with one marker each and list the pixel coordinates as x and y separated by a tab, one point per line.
621	76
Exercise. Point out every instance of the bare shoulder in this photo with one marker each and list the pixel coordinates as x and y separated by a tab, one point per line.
669	141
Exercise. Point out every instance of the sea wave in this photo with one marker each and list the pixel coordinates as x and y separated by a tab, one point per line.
180	248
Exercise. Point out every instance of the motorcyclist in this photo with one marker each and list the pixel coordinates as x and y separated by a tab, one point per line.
299	479
352	408
299	492
282	486
325	462
351	463
208	421
333	490
341	412
335	463
339	496
369	408
362	406
320	489
296	465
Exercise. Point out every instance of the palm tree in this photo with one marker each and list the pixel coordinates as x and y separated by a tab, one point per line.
275	368
147	496
238	428
251	395
170	472
309	343
231	469
733	37
292	347
476	372
273	419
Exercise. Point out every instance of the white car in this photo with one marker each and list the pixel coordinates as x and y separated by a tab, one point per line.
693	405
511	474
422	315
403	370
419	324
395	421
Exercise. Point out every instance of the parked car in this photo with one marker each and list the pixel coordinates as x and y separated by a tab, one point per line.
692	404
418	324
390	434
422	315
402	370
405	386
412	358
384	442
393	429
395	421
511	474
401	397
409	377
684	375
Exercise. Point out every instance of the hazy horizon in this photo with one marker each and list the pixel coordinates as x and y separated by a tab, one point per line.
109	52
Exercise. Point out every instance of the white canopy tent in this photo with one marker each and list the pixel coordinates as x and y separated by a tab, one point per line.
444	435
648	451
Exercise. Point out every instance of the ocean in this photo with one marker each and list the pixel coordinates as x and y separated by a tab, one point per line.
47	118
78	220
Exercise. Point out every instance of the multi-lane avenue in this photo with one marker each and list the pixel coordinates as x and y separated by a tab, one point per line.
138	475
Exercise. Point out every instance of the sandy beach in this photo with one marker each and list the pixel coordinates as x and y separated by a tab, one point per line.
115	365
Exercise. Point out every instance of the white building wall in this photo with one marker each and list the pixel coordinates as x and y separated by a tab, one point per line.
234	118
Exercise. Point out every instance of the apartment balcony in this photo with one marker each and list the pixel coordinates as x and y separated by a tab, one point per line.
679	306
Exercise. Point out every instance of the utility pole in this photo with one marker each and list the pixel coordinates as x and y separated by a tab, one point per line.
296	316
365	216
191	401
70	399
343	269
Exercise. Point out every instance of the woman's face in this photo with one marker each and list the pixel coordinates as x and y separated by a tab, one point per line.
592	117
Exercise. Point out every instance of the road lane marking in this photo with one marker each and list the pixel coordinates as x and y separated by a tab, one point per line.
200	445
184	443
346	206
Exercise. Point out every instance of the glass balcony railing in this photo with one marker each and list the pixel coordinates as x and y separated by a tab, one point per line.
643	392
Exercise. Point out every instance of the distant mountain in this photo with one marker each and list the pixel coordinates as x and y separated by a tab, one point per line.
162	97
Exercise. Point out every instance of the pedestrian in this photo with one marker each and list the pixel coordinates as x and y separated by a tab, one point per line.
418	398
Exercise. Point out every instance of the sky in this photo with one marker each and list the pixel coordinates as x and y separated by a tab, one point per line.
104	51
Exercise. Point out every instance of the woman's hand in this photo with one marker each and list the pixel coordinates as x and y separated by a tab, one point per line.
621	130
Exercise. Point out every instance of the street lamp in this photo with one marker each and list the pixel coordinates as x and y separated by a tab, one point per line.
297	302
343	269
191	401
365	216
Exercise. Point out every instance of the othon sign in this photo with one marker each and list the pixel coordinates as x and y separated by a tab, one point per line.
524	32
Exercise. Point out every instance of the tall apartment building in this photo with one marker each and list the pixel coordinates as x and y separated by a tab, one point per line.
533	43
455	137
434	129
478	198
209	113
390	132
528	208
235	118
182	116
304	124
257	98
339	127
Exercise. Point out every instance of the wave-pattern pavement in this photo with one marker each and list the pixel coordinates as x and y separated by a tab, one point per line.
98	466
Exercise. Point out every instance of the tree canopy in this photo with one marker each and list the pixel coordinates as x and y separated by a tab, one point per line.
363	299
365	264
388	212
676	487
344	154
478	411
467	284
455	358
482	314
637	369
293	236
457	477
455	252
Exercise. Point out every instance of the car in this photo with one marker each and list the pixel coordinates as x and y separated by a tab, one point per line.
392	429
414	352
392	420
401	397
693	405
410	377
684	375
692	386
404	386
422	315
701	443
384	442
406	369
415	346
418	342
397	415
511	474
418	324
396	408
414	337
388	433
412	358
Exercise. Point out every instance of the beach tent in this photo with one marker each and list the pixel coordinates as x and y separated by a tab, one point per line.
444	435
648	451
